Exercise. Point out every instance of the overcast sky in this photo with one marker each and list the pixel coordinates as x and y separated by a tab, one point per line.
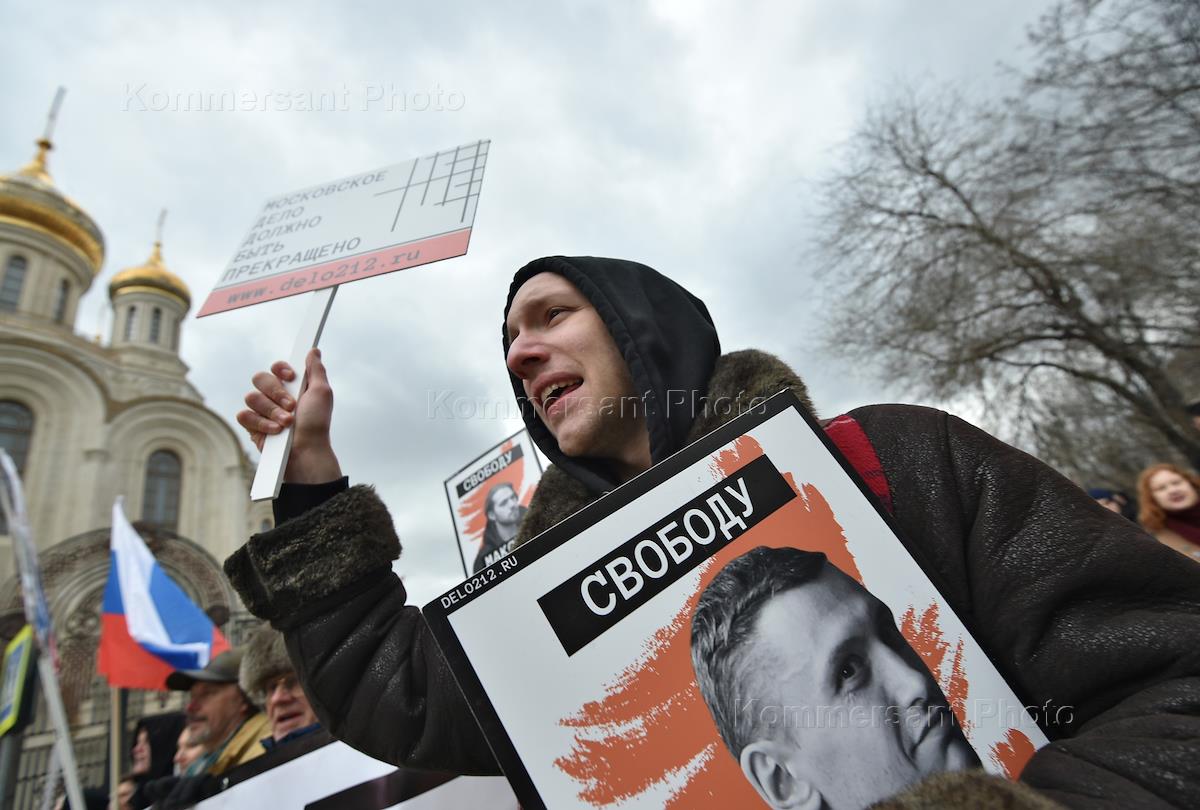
686	135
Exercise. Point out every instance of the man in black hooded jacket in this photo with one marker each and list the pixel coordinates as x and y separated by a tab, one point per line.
616	367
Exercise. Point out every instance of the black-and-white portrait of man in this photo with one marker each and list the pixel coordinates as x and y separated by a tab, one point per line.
812	687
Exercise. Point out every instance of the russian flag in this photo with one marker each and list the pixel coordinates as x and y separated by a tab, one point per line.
148	626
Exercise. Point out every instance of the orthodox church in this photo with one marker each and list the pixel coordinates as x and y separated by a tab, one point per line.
87	420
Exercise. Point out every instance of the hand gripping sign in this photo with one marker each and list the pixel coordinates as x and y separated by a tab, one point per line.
357	227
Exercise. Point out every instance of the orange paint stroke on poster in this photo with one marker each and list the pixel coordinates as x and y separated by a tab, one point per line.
926	637
651	724
956	686
1013	753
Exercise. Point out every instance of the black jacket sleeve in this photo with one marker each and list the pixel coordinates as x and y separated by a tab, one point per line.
296	499
371	669
1079	609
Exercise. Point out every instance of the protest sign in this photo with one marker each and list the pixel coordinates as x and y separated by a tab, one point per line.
488	498
320	773
741	612
356	227
318	238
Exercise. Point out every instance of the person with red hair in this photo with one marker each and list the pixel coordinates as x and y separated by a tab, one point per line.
1169	507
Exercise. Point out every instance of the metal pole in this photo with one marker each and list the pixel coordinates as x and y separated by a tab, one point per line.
116	731
62	742
10	760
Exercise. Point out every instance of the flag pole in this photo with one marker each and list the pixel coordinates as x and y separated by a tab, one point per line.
37	613
116	719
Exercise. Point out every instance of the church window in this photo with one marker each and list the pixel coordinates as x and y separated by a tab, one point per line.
10	286
130	317
160	501
16	427
60	304
155	324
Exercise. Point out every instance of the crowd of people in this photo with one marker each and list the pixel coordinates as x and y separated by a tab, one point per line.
1075	606
244	703
249	701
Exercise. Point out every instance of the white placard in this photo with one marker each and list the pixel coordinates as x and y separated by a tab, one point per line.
316	778
356	227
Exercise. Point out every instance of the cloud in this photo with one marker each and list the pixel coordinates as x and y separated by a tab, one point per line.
686	135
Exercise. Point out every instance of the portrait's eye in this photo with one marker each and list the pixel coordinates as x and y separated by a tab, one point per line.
851	671
554	312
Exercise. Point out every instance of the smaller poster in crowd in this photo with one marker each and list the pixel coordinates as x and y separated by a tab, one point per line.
740	626
488	500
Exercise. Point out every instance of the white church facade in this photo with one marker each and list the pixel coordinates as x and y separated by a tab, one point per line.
87	420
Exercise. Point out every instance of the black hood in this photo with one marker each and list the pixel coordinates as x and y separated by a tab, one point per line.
665	335
164	731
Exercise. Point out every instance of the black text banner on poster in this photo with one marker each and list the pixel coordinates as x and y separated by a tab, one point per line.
488	470
605	592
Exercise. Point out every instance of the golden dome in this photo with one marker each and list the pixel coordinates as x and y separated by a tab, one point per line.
153	275
29	199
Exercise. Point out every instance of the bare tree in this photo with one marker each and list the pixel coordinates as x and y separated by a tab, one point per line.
1043	251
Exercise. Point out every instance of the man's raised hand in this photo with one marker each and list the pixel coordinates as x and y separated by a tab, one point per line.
270	409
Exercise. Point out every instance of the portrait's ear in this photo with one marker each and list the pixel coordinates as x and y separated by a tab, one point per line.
766	766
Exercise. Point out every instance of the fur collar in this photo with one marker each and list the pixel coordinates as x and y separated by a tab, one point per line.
738	380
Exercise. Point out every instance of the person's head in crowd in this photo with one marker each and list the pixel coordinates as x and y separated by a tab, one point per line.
580	386
139	754
152	745
1166	491
805	673
186	752
1194	412
1114	500
216	705
267	675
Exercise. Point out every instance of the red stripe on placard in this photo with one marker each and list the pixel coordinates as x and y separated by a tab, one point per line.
341	271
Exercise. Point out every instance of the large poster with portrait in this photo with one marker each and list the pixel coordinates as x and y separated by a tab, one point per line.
737	627
488	499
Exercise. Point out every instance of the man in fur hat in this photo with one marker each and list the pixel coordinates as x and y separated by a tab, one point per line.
617	367
268	677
